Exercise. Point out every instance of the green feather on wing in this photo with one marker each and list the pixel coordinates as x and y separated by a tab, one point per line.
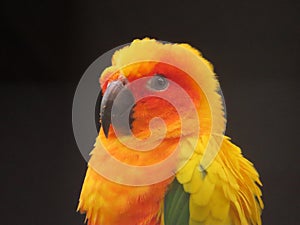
176	205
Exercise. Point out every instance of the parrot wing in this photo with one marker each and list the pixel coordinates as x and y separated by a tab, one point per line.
227	193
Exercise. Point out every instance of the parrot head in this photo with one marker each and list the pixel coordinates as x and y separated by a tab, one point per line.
151	92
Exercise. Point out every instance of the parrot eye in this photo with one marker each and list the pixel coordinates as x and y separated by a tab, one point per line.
158	83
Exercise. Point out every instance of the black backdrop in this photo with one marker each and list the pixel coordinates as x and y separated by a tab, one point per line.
47	45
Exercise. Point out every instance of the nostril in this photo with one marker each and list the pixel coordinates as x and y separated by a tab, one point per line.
123	79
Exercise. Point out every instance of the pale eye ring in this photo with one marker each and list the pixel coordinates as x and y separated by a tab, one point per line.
158	83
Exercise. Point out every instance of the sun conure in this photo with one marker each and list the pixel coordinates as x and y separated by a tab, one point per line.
224	191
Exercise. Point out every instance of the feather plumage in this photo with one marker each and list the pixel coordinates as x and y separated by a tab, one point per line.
225	193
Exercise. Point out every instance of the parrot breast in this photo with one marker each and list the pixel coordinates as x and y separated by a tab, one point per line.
110	203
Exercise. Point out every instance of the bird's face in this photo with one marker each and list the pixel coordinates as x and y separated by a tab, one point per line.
136	94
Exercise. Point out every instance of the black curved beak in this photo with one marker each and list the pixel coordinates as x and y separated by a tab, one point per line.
117	103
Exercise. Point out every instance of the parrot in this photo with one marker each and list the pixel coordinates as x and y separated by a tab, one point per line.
179	178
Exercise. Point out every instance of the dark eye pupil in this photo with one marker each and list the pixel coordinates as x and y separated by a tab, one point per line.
161	81
158	82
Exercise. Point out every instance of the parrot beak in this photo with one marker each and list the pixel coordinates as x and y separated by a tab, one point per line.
117	103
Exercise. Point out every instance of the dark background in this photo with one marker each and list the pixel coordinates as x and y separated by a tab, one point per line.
47	45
